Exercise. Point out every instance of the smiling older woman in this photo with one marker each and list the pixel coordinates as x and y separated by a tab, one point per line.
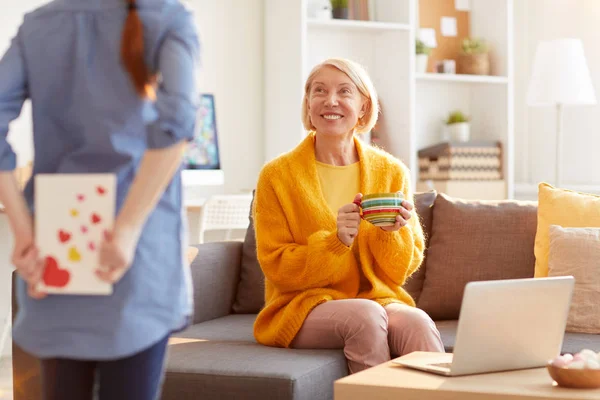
332	279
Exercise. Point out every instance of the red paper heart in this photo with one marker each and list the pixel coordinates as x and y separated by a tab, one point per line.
80	197
64	236
54	275
96	219
91	246
100	190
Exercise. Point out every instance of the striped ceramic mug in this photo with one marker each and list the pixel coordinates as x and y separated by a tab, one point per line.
381	209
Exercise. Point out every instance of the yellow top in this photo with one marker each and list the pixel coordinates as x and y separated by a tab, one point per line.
339	184
303	260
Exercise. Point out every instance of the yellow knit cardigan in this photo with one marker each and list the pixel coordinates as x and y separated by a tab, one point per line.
304	262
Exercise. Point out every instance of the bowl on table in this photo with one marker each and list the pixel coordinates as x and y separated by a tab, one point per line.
581	371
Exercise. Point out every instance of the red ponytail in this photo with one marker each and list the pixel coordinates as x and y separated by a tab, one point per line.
132	53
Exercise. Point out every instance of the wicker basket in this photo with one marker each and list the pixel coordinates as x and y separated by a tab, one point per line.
473	64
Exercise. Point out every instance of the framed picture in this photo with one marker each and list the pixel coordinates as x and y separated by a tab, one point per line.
203	151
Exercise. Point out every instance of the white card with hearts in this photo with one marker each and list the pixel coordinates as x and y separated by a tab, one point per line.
72	214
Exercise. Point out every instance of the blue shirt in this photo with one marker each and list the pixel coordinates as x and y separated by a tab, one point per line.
89	119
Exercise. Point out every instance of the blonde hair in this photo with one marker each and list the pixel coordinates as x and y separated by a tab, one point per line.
358	75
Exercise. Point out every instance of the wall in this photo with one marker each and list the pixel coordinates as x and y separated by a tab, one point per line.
535	128
232	68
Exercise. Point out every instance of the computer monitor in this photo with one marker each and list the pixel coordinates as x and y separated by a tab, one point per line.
202	161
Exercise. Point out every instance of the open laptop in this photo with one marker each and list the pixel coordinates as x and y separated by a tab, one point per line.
504	325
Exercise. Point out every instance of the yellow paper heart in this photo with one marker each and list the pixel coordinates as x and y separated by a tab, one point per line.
74	255
74	213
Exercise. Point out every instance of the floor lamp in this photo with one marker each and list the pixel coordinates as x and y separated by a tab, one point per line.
560	78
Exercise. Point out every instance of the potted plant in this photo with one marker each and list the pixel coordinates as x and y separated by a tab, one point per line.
422	56
458	127
474	57
339	9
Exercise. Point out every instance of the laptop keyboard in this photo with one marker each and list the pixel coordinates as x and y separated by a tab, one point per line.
443	365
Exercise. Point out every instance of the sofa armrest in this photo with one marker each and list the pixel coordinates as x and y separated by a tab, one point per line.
215	276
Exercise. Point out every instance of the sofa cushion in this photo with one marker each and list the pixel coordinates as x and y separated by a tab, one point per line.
250	296
447	330
572	342
424	202
475	241
575	342
576	251
220	359
424	207
565	208
214	274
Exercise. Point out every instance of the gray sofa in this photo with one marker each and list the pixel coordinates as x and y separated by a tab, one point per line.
218	357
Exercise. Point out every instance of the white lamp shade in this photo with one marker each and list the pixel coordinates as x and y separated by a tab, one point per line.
560	75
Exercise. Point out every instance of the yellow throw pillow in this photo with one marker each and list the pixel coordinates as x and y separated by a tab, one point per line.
564	208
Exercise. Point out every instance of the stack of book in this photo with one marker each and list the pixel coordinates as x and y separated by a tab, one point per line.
481	161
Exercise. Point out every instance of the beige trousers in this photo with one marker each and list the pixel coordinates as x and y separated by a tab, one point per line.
369	333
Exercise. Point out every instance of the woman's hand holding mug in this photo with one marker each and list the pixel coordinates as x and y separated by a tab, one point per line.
388	211
348	220
402	218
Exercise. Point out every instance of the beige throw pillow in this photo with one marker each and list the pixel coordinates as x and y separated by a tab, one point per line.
576	251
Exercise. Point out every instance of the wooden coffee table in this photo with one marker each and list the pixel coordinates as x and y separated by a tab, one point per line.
390	381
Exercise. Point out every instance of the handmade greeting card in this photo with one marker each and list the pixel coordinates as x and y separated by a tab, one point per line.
72	214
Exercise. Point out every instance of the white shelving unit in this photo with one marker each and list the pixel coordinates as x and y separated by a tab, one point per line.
413	105
488	100
363	26
457	78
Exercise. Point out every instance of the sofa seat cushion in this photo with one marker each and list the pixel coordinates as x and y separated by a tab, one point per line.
220	359
448	333
572	343
575	342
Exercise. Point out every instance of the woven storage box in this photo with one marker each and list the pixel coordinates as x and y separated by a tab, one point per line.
473	64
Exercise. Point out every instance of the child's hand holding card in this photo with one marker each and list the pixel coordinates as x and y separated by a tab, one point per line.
72	214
